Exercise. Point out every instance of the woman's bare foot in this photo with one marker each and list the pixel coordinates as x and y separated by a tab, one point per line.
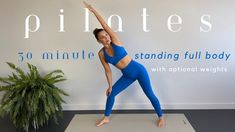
104	120
160	122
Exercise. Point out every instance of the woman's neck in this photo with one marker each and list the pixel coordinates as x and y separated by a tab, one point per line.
108	46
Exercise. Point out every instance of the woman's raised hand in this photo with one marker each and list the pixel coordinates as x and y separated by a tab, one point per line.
88	6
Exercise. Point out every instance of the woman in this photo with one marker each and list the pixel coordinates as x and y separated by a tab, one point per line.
113	52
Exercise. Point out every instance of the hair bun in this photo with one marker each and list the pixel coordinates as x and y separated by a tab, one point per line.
96	32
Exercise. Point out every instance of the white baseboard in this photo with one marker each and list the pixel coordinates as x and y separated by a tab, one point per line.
174	106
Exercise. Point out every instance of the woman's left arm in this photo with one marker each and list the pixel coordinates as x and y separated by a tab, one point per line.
112	34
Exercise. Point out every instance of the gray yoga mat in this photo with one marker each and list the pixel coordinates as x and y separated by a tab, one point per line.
129	123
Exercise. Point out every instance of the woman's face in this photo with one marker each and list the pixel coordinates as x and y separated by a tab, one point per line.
104	38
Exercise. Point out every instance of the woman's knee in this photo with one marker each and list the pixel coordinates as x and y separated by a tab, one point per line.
111	95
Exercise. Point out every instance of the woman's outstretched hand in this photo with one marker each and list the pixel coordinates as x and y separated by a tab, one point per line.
88	6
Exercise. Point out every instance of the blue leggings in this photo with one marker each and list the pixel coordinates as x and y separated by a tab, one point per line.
133	71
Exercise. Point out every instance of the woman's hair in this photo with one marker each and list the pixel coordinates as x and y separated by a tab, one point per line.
96	32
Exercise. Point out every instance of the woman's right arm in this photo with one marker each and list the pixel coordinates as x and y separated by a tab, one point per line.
108	71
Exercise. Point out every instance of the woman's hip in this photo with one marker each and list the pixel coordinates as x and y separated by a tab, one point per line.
133	69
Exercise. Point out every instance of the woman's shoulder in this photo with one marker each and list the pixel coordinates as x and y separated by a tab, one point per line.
100	52
117	44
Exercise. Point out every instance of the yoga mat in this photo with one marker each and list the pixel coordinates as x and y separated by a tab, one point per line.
129	123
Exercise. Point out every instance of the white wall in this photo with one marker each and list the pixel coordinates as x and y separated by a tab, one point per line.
86	82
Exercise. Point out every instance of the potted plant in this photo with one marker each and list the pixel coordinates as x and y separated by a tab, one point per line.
30	99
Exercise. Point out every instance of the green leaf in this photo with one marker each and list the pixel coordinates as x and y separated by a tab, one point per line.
21	73
29	66
62	92
56	81
5	80
5	88
11	65
49	75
